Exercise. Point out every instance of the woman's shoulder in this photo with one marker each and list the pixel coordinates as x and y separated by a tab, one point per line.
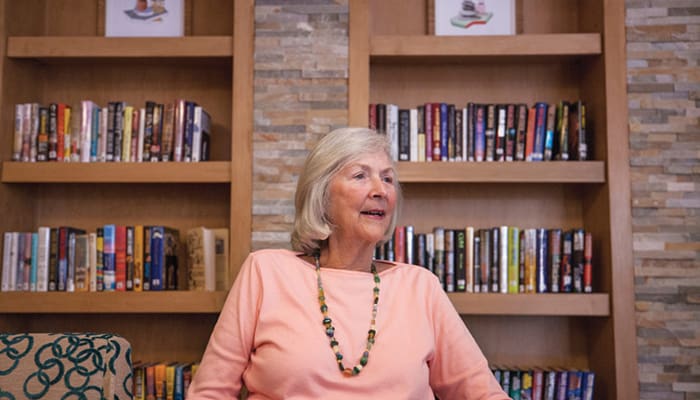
408	271
273	255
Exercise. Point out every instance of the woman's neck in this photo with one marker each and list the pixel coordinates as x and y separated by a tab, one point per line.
355	258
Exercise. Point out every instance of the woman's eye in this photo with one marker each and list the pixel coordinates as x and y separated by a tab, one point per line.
389	179
360	175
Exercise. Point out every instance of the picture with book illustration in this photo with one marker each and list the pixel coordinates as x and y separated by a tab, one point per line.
144	17
474	17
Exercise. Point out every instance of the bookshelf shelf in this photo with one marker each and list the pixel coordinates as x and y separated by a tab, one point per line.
539	304
62	47
166	302
170	172
507	172
419	47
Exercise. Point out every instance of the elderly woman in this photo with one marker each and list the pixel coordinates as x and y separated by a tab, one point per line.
328	321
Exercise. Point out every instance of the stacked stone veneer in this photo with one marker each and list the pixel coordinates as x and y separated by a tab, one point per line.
301	70
663	74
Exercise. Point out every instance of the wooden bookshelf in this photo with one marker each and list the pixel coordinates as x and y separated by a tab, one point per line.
563	51
50	55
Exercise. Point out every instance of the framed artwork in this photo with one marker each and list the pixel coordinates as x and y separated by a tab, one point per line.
471	17
143	17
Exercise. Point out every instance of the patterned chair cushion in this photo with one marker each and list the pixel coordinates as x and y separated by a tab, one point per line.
51	366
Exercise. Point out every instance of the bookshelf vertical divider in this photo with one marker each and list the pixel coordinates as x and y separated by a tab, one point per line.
562	52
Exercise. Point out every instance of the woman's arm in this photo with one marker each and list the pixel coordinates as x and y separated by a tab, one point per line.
219	375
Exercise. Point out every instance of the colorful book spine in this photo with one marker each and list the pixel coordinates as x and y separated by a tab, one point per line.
110	257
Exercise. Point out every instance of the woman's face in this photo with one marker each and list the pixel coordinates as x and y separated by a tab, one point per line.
362	199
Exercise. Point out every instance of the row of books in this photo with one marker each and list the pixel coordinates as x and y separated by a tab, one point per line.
86	132
162	380
484	132
114	258
546	384
502	259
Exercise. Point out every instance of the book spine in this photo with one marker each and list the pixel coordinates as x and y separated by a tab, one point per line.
521	128
555	260
542	266
170	260
503	257
120	258
169	132
460	260
147	257
501	133
480	133
477	262
118	130
92	261
413	132
540	131
588	263
513	235
449	260
428	126
577	259
437	132
404	135
511	132
496	241
566	271
34	250
110	257
129	258
42	278
485	260
549	138
439	260
138	258
99	262
188	131
469	258
157	258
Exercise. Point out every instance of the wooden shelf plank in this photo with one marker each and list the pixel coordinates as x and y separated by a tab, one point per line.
516	172
541	304
56	47
565	45
165	302
166	172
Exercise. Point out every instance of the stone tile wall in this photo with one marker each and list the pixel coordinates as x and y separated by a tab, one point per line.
301	70
663	49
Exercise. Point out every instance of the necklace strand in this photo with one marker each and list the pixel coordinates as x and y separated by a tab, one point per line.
330	329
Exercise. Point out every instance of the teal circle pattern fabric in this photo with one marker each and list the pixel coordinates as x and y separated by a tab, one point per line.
65	366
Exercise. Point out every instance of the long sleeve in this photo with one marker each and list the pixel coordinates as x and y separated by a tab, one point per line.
458	369
227	355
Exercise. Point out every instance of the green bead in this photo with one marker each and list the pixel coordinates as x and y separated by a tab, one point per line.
376	279
334	343
338	356
355	370
363	361
324	308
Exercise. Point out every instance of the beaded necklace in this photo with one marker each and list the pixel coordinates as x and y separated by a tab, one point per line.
330	330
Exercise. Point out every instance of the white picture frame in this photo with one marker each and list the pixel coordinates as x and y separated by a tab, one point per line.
138	18
477	17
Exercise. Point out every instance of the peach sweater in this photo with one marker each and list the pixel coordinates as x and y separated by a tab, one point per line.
269	336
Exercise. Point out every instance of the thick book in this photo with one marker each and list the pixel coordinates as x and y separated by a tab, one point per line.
490	132
404	132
